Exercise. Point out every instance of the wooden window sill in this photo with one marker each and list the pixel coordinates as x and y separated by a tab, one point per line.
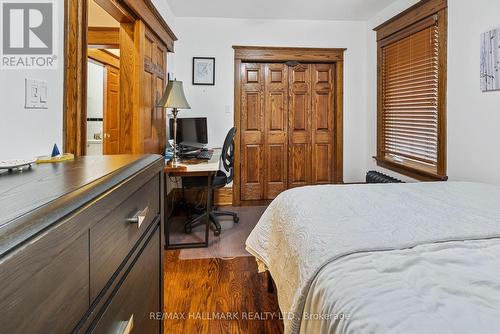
412	172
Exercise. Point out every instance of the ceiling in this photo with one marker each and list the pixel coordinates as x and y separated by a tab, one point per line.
355	10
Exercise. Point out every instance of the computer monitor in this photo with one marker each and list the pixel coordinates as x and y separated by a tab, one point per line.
191	132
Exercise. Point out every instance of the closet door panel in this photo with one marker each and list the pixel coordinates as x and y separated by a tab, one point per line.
299	169
252	131
322	136
322	155
276	119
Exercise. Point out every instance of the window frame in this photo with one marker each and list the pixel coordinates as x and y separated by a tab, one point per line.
401	26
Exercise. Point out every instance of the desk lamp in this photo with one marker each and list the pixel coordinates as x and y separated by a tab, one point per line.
174	98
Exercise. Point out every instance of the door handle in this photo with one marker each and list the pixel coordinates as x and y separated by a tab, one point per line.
139	217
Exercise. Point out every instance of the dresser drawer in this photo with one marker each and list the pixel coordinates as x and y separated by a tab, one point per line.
112	238
44	287
137	296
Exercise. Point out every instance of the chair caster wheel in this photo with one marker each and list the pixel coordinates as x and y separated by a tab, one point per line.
236	219
188	230
216	233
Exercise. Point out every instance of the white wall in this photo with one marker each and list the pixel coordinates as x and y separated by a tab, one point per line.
95	106
214	37
168	15
27	133
95	90
473	116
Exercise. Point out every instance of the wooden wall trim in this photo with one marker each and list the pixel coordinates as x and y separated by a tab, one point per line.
237	138
408	171
104	57
127	11
130	70
339	123
282	54
161	20
442	87
75	70
147	12
412	15
117	10
103	37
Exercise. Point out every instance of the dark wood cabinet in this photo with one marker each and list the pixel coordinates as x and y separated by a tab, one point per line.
111	240
81	246
137	295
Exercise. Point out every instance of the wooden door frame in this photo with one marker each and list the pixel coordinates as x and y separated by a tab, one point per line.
130	13
103	37
283	54
104	57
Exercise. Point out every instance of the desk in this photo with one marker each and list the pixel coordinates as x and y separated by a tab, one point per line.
192	167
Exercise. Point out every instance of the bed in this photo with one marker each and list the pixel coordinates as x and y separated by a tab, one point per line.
384	258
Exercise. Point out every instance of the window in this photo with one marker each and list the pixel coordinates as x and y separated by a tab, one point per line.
412	91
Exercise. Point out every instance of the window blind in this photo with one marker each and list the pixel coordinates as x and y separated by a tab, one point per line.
409	117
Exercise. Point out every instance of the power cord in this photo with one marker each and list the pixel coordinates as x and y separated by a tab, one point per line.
175	181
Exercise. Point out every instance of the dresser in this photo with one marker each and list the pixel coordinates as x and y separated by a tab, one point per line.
81	246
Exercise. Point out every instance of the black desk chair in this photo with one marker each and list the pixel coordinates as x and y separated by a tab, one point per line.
219	181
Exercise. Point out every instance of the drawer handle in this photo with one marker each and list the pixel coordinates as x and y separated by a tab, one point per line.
139	217
127	326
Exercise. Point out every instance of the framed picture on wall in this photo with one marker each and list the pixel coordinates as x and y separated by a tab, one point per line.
490	60
203	71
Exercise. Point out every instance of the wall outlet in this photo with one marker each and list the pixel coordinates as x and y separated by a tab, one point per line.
35	94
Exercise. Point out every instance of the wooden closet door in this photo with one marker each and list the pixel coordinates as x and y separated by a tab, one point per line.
299	133
252	131
322	121
276	120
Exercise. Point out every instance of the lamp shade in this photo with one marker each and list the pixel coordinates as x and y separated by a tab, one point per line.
174	97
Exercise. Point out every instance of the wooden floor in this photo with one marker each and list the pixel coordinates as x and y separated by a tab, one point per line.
218	296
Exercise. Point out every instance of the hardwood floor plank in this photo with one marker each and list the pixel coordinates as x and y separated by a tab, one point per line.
218	296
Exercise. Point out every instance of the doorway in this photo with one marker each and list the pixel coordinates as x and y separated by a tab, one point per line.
103	82
103	106
129	40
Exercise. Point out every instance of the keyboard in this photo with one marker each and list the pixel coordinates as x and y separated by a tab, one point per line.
205	155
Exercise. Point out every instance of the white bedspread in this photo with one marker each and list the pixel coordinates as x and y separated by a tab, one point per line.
444	288
307	228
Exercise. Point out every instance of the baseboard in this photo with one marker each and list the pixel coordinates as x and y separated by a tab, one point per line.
222	196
